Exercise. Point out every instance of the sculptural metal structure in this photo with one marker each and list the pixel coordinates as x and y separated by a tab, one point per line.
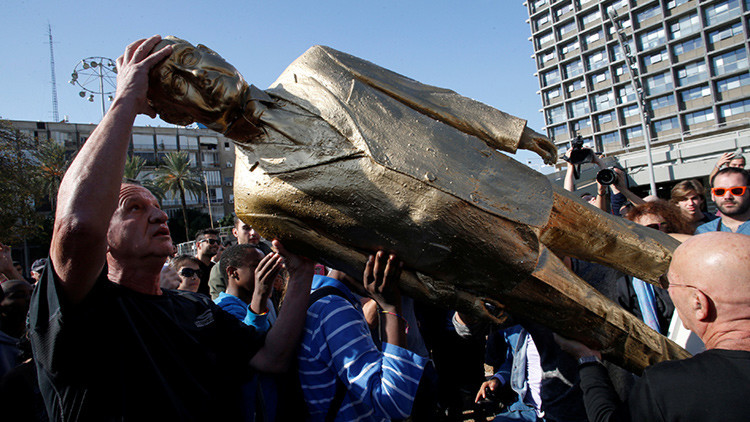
340	157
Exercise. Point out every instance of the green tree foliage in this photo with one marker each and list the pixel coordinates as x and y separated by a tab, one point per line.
176	176
52	163
18	190
133	168
197	220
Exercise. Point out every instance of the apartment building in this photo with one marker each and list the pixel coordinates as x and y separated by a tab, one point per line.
211	154
615	72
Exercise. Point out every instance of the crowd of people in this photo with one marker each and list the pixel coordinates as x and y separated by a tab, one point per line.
120	327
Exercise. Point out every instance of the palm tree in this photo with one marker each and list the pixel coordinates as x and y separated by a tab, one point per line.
53	163
176	176
133	168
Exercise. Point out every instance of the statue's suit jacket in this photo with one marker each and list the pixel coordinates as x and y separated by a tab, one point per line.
434	135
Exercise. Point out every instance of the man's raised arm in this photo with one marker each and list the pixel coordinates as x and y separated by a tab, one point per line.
89	191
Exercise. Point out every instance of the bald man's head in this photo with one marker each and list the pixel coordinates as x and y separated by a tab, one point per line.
710	282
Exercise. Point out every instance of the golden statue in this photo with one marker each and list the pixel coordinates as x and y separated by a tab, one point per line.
340	157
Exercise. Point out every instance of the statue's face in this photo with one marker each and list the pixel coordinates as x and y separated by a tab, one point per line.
196	82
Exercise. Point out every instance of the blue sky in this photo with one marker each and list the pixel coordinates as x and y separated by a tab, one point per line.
477	48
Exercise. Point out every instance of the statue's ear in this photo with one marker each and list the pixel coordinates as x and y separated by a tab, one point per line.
203	47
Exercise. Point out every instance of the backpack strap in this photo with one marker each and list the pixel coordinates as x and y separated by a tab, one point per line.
338	398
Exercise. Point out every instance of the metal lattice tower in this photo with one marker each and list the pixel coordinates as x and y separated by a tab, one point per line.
55	115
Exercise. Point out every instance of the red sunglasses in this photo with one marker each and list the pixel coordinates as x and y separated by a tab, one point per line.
735	190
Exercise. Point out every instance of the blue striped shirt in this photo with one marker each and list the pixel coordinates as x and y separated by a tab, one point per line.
337	342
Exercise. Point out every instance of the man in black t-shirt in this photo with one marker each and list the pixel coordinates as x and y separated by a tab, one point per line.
207	244
108	342
709	283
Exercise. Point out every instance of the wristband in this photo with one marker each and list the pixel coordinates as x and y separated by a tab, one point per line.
588	360
399	316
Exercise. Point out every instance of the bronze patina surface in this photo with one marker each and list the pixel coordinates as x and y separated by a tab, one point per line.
340	157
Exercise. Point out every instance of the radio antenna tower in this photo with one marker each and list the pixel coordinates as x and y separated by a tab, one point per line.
55	115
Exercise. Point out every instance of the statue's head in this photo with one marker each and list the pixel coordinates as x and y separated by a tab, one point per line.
194	84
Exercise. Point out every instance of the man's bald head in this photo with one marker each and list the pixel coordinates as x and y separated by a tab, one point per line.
710	284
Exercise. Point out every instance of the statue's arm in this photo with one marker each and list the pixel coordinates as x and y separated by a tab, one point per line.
497	129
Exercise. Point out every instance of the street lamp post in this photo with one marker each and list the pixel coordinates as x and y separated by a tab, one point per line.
91	70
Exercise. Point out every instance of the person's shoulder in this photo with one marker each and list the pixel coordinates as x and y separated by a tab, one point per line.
708	227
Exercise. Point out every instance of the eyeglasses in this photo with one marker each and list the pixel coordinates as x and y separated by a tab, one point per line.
735	190
687	285
189	272
210	241
658	226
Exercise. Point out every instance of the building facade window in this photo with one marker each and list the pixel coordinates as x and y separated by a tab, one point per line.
633	133
605	118
700	116
685	26
666	124
166	142
555	115
188	142
631	110
658	57
609	138
143	141
687	46
574	85
551	77
558	131
596	60
550	95
735	108
604	101
722	12
573	69
730	61
692	73
591	17
545	39
581	124
658	84
652	39
671	4
625	94
565	8
569	47
600	77
695	93
546	57
661	102
541	21
724	33
733	82
578	108
649	13
566	29
593	37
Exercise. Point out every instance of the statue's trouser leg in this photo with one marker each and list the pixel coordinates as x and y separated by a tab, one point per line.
552	296
555	297
582	231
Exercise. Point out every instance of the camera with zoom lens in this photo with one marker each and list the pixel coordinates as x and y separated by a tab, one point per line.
606	177
579	154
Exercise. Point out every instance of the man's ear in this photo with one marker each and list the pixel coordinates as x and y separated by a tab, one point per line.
702	306
232	273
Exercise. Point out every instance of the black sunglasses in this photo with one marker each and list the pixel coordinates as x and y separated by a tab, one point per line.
210	241
189	272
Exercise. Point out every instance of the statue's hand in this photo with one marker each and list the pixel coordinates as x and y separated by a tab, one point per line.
539	144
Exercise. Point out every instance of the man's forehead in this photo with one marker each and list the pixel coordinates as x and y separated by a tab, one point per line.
733	179
130	191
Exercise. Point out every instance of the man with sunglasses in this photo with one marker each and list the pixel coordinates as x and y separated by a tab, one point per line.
731	196
207	244
709	282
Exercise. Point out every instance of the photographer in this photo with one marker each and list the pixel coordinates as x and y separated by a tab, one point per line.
576	156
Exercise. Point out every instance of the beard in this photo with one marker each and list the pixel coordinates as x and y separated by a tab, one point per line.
738	209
